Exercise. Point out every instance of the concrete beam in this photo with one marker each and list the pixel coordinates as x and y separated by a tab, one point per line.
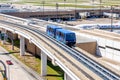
22	46
66	77
5	38
12	48
43	64
12	40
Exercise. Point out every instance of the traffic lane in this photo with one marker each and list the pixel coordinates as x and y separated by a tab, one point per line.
15	71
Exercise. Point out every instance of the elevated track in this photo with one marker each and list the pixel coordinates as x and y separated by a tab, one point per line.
68	56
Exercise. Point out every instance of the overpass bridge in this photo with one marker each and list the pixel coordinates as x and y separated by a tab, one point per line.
75	65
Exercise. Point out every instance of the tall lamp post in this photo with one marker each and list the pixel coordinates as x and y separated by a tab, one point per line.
100	8
93	11
57	9
111	18
75	7
93	3
64	7
43	2
64	3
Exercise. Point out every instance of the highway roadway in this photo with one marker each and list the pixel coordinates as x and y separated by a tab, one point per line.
15	71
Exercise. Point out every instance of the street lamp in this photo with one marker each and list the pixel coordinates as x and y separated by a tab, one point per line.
100	8
64	7
119	11
111	18
57	9
75	7
64	4
93	7
43	2
93	2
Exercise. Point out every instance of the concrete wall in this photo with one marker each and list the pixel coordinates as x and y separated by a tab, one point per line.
106	47
111	50
90	47
38	51
30	47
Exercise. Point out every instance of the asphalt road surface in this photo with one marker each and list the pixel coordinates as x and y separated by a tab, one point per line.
15	71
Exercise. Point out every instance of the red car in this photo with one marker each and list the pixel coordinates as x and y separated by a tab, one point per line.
9	62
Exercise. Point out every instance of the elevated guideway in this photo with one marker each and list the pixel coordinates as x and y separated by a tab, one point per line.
63	56
70	60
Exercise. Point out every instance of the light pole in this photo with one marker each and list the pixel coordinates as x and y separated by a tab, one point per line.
64	4
64	7
57	10
93	9
111	18
75	7
93	3
43	2
100	8
119	11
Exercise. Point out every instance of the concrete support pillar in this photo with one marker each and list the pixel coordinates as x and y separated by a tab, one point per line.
43	64
12	40
66	77
22	46
4	36
12	48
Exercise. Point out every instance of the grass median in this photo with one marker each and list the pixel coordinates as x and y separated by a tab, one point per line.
53	72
